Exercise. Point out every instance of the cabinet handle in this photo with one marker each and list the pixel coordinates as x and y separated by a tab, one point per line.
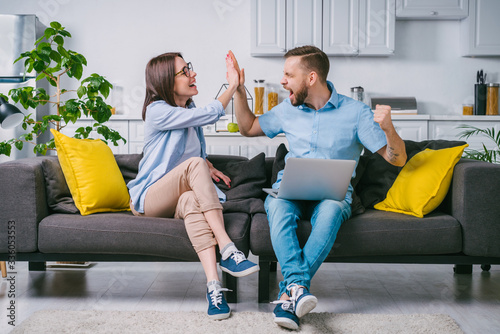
434	13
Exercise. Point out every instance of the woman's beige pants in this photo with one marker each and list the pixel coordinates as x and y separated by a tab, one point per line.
185	192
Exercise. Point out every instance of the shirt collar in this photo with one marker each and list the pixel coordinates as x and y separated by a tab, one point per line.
334	97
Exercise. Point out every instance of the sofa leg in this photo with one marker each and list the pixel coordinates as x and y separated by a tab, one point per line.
36	266
264	281
463	269
231	283
486	267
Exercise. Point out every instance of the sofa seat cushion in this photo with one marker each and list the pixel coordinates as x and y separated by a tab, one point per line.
376	233
123	233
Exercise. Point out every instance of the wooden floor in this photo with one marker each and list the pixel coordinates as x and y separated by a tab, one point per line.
472	300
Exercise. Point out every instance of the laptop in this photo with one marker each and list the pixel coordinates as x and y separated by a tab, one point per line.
314	179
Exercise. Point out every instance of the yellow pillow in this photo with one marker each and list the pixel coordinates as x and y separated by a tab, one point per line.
92	174
423	182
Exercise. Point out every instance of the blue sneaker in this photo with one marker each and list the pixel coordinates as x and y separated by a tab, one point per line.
284	314
237	265
217	304
303	301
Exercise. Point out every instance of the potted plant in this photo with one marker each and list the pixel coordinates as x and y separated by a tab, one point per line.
489	155
52	61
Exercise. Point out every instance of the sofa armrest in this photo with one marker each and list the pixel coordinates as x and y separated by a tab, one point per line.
475	203
23	203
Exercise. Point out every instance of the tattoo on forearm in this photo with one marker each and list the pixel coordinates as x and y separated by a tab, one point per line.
393	156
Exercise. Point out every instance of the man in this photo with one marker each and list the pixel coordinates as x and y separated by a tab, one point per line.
318	123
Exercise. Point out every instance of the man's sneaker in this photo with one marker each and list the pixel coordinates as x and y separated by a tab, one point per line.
303	301
217	305
237	265
284	314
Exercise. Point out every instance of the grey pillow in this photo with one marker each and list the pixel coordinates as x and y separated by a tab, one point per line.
59	197
247	178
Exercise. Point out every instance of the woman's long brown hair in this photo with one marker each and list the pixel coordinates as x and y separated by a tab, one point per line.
160	76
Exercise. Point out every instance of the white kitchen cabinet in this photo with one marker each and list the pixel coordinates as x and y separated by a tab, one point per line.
136	136
415	130
268	27
432	9
236	144
338	27
303	23
448	129
281	25
377	27
479	32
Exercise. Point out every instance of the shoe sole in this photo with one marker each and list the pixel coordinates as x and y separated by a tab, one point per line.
221	316
285	322
305	305
245	272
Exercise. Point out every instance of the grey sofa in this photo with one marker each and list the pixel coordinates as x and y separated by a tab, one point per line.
465	230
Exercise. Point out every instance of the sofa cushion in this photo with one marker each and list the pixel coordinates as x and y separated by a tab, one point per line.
124	233
375	233
92	175
247	178
423	183
379	175
58	195
129	165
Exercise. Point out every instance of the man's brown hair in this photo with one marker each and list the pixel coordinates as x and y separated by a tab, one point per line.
312	59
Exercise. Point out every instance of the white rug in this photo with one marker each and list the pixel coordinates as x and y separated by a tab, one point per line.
55	321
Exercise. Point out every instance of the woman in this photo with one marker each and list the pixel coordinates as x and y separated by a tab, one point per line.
175	179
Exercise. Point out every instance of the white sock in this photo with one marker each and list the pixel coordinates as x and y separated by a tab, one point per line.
229	249
212	285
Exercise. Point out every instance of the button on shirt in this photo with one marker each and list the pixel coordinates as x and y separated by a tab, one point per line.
166	133
339	130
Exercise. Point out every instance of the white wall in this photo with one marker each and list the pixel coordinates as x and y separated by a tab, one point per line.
118	37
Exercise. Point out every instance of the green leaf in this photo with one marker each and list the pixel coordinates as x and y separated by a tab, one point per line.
19	145
55	25
49	32
55	56
65	33
39	66
40	76
78	71
59	40
5	148
82	90
104	90
63	52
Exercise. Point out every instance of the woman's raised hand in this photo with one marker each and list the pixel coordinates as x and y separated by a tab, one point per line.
232	74
237	67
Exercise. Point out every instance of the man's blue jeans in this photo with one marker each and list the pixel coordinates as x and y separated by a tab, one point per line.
299	265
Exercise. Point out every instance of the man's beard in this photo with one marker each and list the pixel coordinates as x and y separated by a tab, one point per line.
300	95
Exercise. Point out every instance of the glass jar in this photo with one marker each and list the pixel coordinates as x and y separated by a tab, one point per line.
259	97
358	93
468	109
492	99
272	97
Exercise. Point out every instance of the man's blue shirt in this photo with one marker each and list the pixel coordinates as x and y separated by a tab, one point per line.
339	130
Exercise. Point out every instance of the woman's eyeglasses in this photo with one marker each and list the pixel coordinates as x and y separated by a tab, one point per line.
186	70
